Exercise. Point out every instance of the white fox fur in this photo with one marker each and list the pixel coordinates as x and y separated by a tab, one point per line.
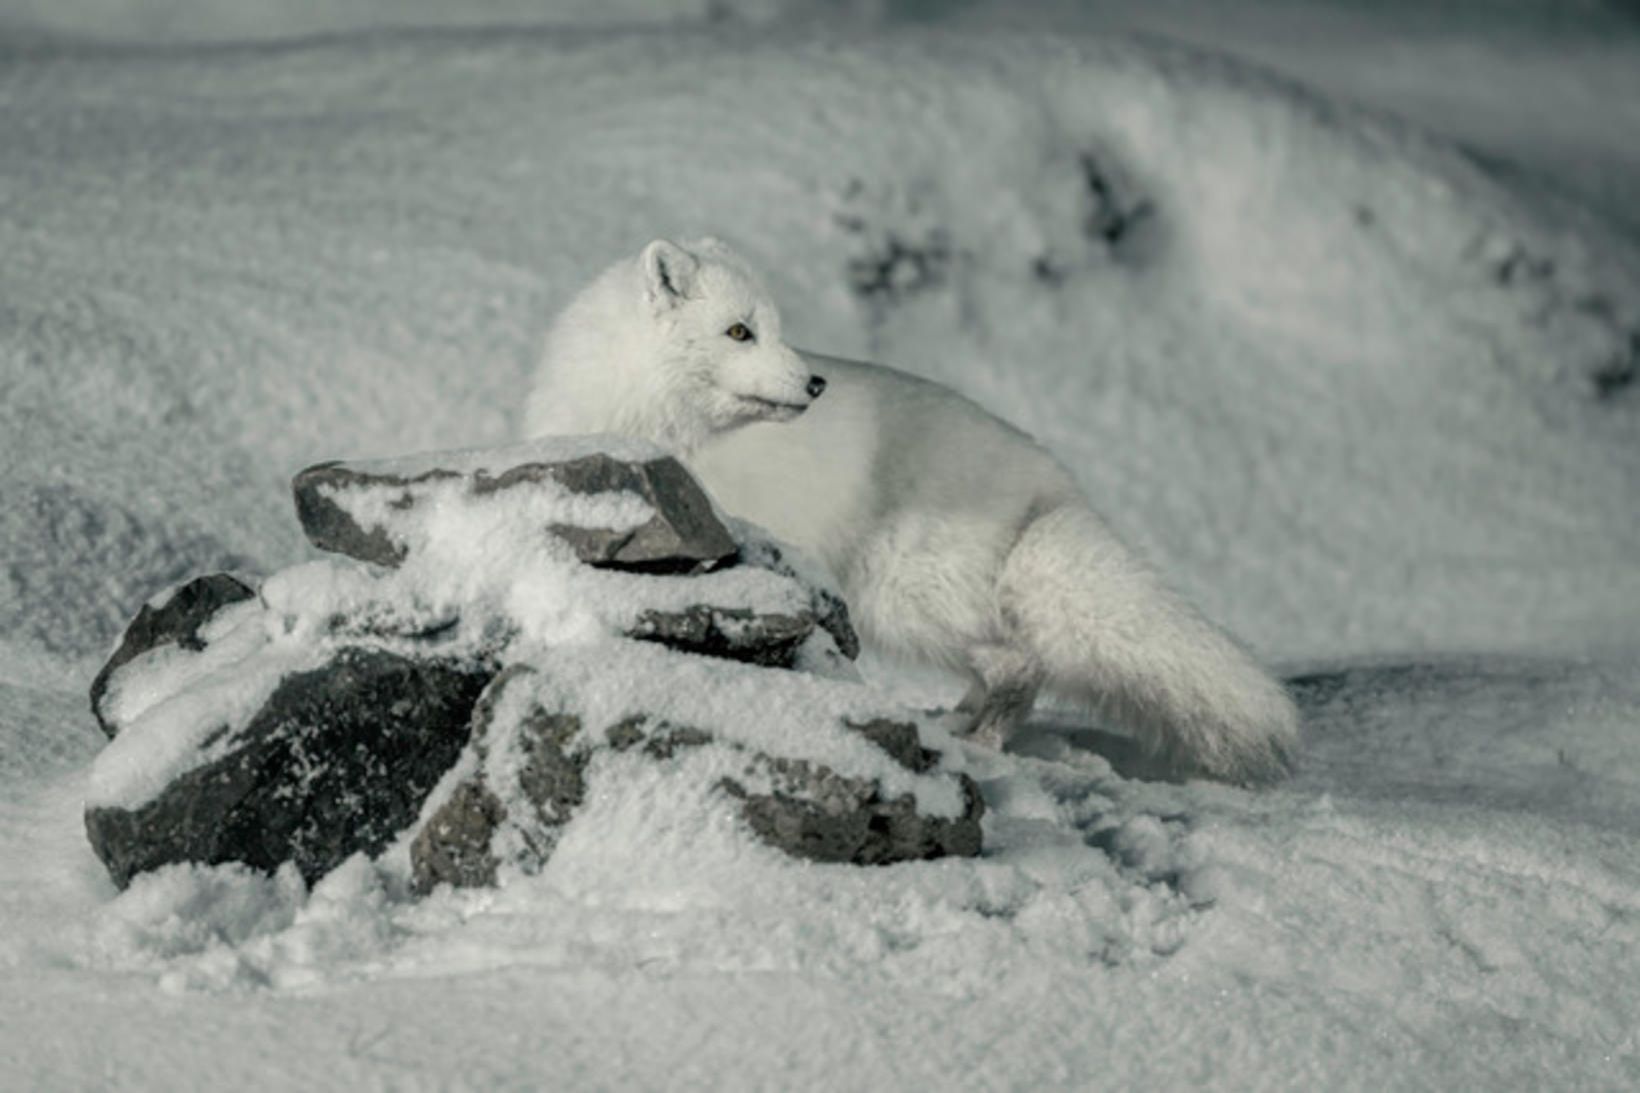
955	538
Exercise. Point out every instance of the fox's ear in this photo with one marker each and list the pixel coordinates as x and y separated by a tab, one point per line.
669	273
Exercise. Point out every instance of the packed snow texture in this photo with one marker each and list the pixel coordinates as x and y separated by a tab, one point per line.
1370	399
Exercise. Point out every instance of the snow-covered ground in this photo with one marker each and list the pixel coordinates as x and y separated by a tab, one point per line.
1367	393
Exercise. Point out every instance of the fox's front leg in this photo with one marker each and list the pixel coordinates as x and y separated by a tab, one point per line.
1006	683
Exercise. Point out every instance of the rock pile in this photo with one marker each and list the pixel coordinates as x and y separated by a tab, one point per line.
508	628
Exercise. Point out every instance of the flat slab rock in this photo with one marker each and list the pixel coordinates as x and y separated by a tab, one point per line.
771	641
801	807
368	510
338	760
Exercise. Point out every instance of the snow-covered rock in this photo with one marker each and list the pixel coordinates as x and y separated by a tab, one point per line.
826	603
310	720
337	761
637	510
538	750
173	619
734	632
608	502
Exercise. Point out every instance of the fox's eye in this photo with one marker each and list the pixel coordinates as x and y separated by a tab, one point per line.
740	332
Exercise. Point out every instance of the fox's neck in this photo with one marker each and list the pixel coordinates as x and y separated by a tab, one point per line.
654	420
607	360
611	388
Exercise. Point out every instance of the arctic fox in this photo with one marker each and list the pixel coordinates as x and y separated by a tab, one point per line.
955	538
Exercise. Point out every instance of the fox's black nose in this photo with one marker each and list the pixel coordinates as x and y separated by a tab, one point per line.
817	384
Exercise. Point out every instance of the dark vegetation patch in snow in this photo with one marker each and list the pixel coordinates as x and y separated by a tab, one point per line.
900	251
1618	377
1599	339
1117	215
904	248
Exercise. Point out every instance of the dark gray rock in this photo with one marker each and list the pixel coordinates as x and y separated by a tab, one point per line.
813	812
338	760
735	633
900	740
830	612
331	527
662	740
454	845
818	814
806	809
175	622
684	535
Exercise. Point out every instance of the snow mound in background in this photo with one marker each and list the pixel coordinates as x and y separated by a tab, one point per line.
1349	391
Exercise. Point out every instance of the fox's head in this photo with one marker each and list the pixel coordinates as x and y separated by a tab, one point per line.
719	343
675	346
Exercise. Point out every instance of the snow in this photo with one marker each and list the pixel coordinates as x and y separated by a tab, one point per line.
793	716
1342	381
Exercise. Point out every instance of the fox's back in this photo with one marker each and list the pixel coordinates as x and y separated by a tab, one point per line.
884	461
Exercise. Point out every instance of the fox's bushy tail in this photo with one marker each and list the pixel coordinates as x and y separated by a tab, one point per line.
1106	631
